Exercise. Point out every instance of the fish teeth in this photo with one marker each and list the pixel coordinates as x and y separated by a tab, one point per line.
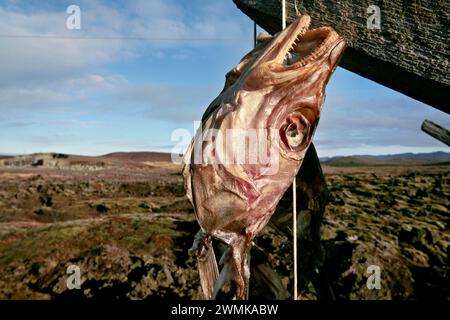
320	49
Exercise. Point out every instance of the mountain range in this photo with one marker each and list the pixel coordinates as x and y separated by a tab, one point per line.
137	158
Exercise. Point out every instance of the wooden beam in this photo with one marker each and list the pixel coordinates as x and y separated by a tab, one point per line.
409	53
436	131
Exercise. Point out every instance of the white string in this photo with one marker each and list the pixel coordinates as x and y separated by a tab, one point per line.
294	231
294	187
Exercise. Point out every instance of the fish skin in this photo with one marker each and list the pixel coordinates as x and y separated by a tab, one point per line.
234	201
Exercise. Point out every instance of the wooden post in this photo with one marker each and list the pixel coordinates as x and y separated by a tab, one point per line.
436	131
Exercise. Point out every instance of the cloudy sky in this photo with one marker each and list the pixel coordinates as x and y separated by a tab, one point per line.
139	69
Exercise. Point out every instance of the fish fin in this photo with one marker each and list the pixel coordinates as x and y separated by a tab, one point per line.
233	281
208	270
225	276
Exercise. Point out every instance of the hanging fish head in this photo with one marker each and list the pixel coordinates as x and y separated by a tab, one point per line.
255	134
284	86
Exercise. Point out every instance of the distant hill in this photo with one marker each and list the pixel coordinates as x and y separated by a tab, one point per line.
438	156
61	160
139	156
433	158
140	159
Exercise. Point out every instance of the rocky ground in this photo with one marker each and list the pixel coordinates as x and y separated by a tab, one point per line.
128	230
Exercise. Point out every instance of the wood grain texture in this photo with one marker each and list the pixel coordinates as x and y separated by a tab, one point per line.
436	131
410	53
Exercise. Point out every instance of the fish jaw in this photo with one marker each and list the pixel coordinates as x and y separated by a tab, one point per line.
297	52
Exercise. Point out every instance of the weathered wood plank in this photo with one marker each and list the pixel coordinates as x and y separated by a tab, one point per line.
436	131
410	52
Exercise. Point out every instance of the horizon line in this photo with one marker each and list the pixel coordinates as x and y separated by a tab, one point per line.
168	153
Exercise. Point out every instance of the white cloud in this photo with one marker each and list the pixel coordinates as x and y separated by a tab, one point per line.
168	102
37	99
50	75
29	61
49	71
374	121
46	60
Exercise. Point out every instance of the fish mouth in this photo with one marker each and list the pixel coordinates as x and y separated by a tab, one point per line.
304	45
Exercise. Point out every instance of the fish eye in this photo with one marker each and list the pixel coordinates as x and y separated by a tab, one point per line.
294	135
296	131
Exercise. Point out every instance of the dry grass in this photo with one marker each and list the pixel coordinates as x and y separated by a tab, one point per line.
129	230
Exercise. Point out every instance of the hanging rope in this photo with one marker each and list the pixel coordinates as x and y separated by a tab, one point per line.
294	232
294	187
297	12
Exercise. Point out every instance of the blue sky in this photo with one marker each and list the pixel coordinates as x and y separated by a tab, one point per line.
94	96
